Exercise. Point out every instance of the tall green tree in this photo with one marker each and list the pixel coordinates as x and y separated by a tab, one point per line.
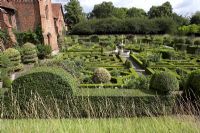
120	12
165	10
103	10
195	19
74	12
180	20
136	12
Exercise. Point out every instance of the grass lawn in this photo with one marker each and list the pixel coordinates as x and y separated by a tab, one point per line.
120	125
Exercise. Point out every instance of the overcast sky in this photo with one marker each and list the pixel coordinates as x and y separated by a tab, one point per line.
184	7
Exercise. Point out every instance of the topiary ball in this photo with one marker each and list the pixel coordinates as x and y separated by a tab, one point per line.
193	83
101	75
164	82
29	52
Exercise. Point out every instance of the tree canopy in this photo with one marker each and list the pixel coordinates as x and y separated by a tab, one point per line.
74	13
195	19
103	10
165	10
136	12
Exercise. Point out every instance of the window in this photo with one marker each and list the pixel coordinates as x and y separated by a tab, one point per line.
47	12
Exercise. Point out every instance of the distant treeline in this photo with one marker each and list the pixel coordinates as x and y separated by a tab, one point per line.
126	26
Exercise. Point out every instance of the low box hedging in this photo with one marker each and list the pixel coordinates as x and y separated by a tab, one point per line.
101	85
149	71
46	81
134	73
192	49
140	63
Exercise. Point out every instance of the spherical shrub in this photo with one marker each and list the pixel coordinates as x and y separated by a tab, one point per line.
164	82
193	83
13	55
101	75
45	81
29	53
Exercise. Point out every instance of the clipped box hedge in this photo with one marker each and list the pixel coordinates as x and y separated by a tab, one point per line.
46	81
140	63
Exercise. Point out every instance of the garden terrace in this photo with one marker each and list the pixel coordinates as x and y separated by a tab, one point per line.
119	72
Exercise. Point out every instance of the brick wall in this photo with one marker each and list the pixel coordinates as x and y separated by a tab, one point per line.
47	23
27	15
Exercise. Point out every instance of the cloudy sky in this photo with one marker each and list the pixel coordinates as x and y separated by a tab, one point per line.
184	7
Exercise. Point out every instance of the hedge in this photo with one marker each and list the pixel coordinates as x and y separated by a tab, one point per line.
193	84
140	63
46	81
92	106
149	71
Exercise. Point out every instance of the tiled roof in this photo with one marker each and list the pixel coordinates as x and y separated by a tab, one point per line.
6	4
56	9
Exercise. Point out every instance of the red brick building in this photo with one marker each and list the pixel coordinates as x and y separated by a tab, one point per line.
24	15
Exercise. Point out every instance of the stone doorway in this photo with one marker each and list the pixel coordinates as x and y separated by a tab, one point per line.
49	38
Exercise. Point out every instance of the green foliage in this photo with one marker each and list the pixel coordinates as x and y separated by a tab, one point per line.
158	41
101	75
29	53
167	54
164	82
189	41
43	50
197	42
156	57
14	59
120	12
35	37
165	10
167	41
6	82
180	40
189	29
141	82
136	12
180	20
45	81
74	13
5	37
193	84
128	64
94	38
195	19
103	10
115	72
128	25
61	43
5	61
5	78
